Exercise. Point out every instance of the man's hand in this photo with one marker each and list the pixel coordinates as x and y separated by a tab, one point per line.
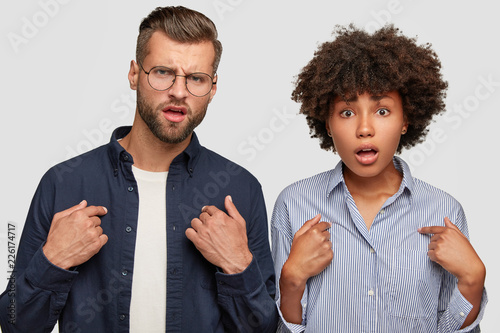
310	254
452	250
222	238
75	235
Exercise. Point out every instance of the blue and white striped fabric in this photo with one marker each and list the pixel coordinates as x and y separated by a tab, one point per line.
381	279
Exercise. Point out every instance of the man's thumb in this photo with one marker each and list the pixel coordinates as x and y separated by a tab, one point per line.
70	210
231	209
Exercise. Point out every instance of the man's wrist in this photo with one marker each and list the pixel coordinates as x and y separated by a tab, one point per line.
240	266
52	258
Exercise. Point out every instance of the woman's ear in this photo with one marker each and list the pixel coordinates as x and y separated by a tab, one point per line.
405	128
327	126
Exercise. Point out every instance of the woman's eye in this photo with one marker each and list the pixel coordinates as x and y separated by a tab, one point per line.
383	112
346	113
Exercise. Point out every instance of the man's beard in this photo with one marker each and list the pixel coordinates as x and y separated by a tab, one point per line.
166	131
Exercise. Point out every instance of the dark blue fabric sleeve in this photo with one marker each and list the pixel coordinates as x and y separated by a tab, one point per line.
247	298
37	290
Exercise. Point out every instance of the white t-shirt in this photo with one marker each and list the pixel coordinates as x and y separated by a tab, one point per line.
148	304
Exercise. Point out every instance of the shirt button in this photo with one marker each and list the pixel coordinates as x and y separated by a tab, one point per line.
371	292
382	211
130	189
372	250
124	272
462	314
128	229
122	317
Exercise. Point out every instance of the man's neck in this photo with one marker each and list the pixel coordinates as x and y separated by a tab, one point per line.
149	152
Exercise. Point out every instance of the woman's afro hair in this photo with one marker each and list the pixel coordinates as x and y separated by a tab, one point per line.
357	62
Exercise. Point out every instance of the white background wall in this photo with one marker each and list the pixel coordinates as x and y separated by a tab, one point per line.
64	87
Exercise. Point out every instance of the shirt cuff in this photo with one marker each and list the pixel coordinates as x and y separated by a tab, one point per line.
241	283
474	327
43	274
285	326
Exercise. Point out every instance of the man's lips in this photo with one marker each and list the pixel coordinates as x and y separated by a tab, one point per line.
174	113
366	154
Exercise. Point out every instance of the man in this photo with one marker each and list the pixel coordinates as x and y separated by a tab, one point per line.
136	254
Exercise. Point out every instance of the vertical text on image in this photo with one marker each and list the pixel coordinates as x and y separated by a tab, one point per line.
11	272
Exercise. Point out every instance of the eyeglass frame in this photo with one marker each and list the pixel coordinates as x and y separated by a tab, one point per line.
176	75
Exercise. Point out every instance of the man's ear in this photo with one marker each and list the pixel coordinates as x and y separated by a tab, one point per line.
214	88
133	75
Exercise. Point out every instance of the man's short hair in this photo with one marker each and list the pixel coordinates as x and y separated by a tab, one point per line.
357	62
180	24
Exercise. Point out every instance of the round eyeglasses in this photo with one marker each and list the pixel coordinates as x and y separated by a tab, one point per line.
163	78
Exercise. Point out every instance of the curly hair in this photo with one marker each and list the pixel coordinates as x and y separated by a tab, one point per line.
356	62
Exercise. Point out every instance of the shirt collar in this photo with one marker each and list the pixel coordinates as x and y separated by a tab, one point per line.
403	167
337	176
189	157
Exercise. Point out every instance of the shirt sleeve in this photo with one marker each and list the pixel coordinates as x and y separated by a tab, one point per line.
457	310
247	298
281	240
455	306
37	290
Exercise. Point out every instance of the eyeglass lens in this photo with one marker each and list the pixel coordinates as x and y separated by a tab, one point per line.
162	78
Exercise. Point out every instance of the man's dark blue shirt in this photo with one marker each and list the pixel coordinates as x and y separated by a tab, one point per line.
95	296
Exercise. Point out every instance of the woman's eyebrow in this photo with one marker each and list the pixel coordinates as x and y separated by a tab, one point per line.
377	98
